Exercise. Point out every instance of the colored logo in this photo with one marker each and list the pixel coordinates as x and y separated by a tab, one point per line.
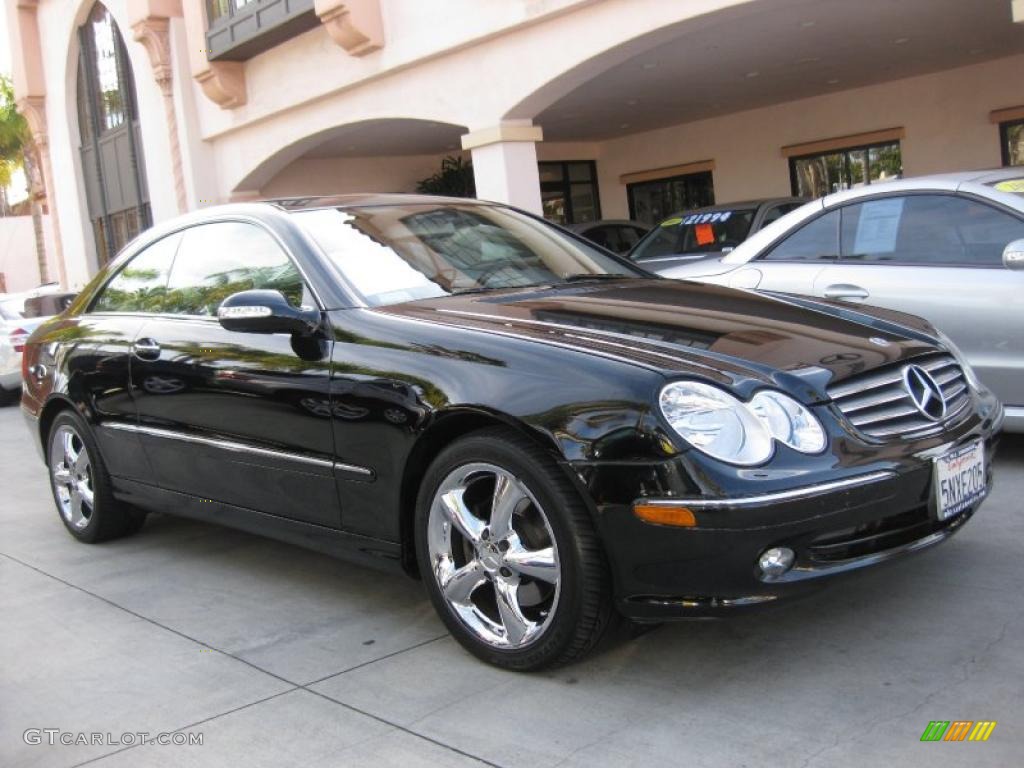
958	730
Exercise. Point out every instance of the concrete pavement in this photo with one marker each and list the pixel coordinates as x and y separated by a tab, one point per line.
279	656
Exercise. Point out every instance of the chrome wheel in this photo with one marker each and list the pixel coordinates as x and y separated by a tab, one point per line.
71	472
493	555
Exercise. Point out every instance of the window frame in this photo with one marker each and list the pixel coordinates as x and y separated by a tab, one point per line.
632	187
128	259
794	185
1004	141
566	187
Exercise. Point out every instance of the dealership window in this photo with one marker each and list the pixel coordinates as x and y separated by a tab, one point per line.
815	175
1011	138
652	201
568	191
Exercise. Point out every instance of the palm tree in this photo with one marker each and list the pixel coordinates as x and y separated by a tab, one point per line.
18	150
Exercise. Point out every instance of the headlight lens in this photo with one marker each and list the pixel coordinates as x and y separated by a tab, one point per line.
788	421
715	422
718	424
954	350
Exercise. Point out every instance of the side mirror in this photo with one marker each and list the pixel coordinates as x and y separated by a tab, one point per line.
266	312
1013	255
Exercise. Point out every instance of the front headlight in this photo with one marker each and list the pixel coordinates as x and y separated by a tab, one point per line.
720	425
715	422
788	421
954	350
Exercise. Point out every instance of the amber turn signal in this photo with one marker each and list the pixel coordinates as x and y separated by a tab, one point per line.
665	514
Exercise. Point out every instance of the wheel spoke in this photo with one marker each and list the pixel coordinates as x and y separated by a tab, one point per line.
507	496
512	618
460	585
70	454
61	475
76	506
535	563
82	462
455	508
85	492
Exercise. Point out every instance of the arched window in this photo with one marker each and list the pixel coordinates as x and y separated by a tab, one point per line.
111	150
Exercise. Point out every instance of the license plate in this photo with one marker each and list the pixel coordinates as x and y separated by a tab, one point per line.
959	480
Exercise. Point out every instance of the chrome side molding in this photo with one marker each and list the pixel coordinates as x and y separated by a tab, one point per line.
231	445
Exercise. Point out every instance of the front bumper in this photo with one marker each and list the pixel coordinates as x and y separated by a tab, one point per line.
862	515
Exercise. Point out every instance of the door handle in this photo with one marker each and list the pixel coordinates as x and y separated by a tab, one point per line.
146	349
846	292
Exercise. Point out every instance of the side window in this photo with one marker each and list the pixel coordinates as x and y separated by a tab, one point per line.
776	212
816	240
599	235
629	237
927	229
141	284
219	259
663	241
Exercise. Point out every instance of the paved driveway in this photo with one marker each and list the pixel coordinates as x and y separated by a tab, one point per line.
278	656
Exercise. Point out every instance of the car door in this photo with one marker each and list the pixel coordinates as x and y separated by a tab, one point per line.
792	264
239	418
96	350
939	256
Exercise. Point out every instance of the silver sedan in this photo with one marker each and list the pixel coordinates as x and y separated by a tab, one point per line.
949	248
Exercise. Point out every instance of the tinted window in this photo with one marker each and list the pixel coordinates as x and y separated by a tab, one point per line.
217	260
660	241
141	284
927	229
614	237
818	239
776	212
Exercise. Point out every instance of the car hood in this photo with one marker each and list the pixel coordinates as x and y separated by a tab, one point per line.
679	327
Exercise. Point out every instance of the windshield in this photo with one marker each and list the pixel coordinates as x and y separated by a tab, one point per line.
707	232
396	253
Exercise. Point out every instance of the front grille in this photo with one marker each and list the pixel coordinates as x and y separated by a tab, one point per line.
878	404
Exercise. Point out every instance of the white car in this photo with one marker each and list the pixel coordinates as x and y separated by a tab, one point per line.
15	327
949	248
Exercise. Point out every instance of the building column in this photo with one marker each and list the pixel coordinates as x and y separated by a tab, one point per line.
30	92
153	31
505	164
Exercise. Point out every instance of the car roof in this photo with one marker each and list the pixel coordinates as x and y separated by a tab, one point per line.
950	182
755	203
584	226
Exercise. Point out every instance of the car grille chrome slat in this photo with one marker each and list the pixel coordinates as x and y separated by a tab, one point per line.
878	404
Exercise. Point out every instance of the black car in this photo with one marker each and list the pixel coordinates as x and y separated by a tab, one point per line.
617	235
548	436
708	233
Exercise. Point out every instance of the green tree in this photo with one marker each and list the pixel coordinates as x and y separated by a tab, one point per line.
18	150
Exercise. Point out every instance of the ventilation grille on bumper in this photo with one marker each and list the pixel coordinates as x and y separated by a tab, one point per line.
878	404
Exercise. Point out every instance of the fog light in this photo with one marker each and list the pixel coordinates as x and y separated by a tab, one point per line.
775	562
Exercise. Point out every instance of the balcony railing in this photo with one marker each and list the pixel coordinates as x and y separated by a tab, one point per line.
240	29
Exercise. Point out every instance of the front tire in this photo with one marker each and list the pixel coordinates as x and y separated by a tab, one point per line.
81	486
509	554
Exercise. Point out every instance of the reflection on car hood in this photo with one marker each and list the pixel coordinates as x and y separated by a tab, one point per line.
680	327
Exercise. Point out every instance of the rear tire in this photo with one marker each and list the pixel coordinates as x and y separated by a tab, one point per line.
81	485
9	396
509	554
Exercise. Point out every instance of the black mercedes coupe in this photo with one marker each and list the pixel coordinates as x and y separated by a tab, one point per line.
546	435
